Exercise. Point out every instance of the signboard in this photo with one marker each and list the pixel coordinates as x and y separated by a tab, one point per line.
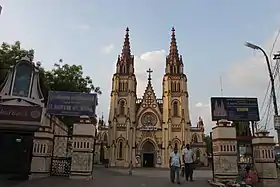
71	103
277	122
234	109
20	113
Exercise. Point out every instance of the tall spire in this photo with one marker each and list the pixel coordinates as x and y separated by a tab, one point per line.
173	51
126	53
125	62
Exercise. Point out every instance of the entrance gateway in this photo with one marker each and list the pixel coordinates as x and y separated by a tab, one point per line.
148	154
16	154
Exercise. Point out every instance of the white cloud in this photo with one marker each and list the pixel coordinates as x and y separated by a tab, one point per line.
108	49
251	76
252	72
156	61
201	105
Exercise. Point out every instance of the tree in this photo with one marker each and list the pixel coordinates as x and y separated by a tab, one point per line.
62	77
208	141
9	55
65	77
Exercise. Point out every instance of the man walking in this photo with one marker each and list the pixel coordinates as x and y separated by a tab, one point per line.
175	165
188	161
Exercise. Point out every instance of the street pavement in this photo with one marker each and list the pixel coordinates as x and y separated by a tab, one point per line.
162	173
115	178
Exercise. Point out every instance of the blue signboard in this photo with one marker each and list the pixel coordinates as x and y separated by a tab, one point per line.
71	103
234	109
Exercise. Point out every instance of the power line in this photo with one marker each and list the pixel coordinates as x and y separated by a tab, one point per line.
275	72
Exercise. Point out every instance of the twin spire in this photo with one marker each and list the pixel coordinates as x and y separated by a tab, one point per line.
126	52
173	50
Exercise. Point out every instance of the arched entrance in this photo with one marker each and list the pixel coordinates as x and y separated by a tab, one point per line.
148	154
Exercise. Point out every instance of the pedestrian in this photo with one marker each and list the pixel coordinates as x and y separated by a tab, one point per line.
175	165
188	159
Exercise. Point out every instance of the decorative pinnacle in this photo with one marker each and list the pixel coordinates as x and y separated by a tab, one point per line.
126	45
173	51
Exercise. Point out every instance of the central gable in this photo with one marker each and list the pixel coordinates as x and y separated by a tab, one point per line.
149	108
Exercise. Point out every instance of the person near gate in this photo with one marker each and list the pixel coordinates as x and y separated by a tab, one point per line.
175	165
188	159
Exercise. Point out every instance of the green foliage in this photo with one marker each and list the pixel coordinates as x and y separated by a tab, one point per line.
9	54
62	77
208	141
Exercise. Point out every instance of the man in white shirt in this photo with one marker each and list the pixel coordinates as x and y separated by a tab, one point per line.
188	159
175	165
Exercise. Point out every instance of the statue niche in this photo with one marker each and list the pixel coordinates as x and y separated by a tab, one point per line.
22	79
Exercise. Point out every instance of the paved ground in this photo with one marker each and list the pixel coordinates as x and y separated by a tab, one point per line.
112	178
160	173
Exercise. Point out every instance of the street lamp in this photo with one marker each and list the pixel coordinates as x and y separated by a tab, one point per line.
131	154
255	47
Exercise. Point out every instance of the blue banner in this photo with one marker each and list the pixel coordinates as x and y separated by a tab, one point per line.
234	109
71	103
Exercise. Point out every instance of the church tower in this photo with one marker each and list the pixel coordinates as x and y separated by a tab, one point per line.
143	131
176	121
122	106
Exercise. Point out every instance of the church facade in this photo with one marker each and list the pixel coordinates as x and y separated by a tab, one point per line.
143	131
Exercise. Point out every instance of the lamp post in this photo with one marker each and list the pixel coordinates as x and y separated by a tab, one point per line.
131	154
255	47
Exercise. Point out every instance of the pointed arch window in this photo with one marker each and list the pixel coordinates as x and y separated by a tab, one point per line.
127	68
126	86
120	155
122	108
178	87
176	145
175	109
22	80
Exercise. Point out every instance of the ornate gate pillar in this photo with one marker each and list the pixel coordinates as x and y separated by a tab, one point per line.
41	159
224	151
82	156
263	150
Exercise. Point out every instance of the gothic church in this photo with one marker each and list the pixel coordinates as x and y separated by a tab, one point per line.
143	131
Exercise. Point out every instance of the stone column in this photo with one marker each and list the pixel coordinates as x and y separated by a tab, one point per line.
263	150
224	151
113	148
82	156
41	159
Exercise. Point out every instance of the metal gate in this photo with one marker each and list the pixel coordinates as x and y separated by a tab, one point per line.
61	157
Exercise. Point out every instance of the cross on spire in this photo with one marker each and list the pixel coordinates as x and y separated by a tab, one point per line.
149	71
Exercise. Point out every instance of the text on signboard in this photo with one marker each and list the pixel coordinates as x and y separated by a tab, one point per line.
70	107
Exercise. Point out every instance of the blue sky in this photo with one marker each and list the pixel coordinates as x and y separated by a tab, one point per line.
210	37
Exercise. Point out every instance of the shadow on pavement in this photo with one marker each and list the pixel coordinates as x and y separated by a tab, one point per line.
106	178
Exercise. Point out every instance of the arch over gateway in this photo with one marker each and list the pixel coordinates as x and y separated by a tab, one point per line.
147	139
148	153
148	146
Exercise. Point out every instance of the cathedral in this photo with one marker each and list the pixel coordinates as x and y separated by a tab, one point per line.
143	131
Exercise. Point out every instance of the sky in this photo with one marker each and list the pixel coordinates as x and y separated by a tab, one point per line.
210	36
